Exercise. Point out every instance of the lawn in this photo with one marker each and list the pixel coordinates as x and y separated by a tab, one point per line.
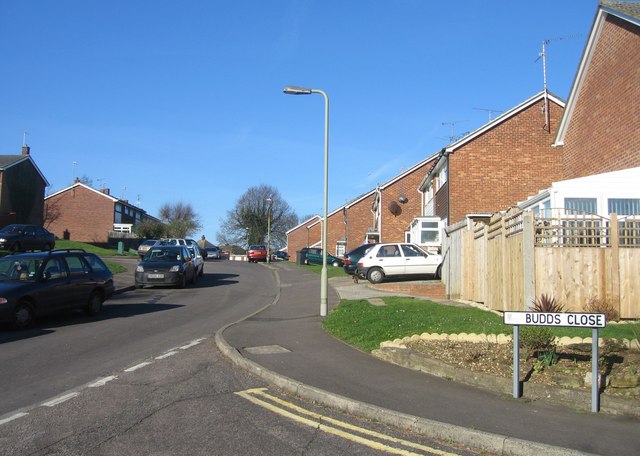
364	326
332	271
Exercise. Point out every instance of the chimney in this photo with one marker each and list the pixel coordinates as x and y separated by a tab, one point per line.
105	191
25	150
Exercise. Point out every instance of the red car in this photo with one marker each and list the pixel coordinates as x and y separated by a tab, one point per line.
257	253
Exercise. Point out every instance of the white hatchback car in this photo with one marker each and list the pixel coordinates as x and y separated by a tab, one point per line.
386	260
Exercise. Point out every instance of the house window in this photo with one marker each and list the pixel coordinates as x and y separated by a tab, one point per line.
442	177
429	232
428	198
587	205
340	248
624	206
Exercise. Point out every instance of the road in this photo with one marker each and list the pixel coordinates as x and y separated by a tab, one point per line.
145	377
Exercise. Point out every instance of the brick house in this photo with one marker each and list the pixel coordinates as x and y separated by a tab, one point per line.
600	129
497	165
22	188
380	215
84	214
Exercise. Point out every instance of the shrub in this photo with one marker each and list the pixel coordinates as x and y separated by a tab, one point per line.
537	339
546	303
604	306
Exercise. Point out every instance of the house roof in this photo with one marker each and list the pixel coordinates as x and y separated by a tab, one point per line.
451	148
7	161
100	193
627	11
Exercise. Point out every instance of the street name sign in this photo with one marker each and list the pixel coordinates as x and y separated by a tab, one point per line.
573	320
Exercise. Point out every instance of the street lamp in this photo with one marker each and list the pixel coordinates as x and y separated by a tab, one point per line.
324	282
268	200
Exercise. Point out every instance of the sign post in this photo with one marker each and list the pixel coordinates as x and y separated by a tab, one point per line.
573	320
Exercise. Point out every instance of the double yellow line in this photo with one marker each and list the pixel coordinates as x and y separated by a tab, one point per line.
261	397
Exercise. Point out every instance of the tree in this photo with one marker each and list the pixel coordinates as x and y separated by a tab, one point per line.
248	221
149	229
180	220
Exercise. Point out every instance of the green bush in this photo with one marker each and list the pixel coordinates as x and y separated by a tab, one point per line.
537	339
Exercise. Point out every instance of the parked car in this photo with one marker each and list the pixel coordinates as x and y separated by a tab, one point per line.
394	260
313	255
144	247
20	238
165	265
172	241
41	283
352	257
198	259
257	253
280	255
213	252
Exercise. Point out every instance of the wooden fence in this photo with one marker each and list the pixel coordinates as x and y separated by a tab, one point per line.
518	256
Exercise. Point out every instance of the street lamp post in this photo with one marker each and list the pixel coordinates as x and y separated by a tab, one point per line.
269	230
324	281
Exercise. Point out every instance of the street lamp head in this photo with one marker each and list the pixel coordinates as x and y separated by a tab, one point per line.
295	90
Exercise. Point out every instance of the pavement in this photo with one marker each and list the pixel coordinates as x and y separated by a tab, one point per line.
284	344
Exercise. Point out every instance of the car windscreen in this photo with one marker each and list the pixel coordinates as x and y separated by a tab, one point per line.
163	255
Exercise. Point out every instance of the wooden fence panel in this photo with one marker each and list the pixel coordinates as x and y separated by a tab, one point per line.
629	283
572	275
574	259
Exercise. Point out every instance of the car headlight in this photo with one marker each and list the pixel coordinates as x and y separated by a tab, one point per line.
175	268
140	268
3	239
3	300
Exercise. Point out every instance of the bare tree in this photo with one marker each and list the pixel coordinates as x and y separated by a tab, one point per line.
248	222
52	213
180	219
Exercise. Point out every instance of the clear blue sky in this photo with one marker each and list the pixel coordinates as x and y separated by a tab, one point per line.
181	101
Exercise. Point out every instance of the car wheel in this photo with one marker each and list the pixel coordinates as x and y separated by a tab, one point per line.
47	247
201	271
336	263
439	272
94	305
306	261
23	315
194	277
182	282
15	247
138	285
375	275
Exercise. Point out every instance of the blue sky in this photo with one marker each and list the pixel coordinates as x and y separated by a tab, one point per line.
167	102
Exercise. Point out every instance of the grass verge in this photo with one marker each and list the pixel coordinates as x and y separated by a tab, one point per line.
332	271
363	325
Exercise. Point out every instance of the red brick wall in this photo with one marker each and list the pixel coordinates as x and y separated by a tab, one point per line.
394	226
604	131
302	237
360	219
87	215
505	165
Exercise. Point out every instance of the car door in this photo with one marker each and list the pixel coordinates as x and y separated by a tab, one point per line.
80	281
419	262
55	287
390	259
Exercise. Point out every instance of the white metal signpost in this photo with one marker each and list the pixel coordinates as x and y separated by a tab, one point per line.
574	320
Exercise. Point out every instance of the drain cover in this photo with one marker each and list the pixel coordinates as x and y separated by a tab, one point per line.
266	350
